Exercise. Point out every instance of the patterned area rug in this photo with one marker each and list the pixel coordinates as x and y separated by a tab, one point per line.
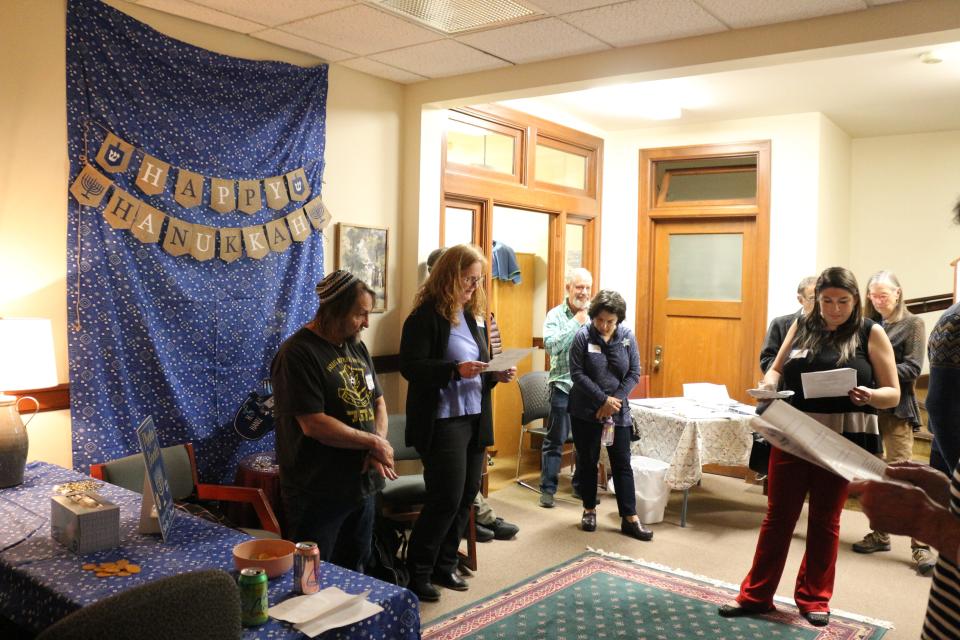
598	596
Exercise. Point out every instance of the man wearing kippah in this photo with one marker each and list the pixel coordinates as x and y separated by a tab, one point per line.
331	425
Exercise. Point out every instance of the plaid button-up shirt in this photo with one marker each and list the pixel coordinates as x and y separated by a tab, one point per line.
559	327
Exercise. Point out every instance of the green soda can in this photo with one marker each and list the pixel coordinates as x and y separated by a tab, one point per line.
253	597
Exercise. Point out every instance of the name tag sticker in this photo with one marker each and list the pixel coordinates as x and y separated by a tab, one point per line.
593	348
626	342
799	353
369	379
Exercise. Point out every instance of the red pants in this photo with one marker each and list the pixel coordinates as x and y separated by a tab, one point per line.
789	481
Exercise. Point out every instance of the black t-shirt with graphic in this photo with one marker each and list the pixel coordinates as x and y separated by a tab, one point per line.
311	375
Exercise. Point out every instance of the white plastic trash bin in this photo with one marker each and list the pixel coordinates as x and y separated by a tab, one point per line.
650	483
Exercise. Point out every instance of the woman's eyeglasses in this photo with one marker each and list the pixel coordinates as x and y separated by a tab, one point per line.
471	281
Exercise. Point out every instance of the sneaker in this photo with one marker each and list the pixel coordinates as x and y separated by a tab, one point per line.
503	530
546	500
925	560
873	542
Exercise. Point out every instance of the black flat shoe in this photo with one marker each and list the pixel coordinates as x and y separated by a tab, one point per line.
635	529
484	534
736	611
589	521
817	618
450	581
424	590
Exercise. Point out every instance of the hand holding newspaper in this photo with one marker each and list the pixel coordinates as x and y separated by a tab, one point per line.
793	431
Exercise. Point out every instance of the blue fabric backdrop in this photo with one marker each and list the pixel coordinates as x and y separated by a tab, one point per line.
152	334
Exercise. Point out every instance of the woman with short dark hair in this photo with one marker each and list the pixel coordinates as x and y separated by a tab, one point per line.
604	368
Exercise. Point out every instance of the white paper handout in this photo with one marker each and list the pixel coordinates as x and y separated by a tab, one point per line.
796	433
828	384
508	358
706	392
327	609
769	394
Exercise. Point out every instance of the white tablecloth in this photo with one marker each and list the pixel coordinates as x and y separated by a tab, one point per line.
687	437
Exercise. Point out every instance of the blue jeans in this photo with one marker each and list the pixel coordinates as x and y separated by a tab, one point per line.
943	409
551	453
342	530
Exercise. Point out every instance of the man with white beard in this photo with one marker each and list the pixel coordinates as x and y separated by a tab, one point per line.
559	327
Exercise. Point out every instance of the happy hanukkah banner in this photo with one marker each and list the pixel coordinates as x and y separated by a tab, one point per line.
194	233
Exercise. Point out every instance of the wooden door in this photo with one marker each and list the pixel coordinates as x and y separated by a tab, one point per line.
704	318
512	305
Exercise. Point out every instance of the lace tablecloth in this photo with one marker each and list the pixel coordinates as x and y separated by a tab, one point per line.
686	437
41	581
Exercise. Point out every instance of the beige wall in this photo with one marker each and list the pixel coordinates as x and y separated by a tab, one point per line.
361	180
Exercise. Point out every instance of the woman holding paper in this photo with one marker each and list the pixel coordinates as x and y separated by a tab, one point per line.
834	335
885	305
443	355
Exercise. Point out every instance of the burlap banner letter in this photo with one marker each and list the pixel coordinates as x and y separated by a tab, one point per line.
178	239
204	242
152	178
278	236
276	192
146	228
318	213
90	186
255	242
299	227
248	199
115	154
231	247
223	197
121	211
189	189
299	187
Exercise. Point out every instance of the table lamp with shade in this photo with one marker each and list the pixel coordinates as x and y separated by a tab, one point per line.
27	362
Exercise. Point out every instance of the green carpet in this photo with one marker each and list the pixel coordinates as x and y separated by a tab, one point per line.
599	597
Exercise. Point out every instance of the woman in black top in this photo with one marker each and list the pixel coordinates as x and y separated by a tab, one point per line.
834	335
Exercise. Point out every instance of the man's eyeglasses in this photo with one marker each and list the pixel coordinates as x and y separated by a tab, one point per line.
471	281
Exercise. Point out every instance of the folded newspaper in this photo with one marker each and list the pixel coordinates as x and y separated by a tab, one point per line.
793	431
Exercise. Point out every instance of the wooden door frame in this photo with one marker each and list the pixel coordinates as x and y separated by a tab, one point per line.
649	213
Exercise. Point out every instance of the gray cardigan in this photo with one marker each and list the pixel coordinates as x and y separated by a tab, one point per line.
908	338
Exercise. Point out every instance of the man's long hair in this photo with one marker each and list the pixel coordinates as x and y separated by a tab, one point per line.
812	330
444	286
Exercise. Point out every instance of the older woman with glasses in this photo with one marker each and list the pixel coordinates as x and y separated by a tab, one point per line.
443	355
907	335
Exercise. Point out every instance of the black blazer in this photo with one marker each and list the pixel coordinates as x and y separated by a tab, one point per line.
423	347
775	335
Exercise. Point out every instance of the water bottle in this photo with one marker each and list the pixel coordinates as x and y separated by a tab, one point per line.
606	436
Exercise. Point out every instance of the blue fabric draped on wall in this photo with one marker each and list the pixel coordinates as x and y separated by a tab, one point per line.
173	337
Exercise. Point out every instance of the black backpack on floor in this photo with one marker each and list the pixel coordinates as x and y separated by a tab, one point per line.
388	552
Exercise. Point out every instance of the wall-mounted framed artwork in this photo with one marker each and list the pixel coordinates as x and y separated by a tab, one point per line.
362	251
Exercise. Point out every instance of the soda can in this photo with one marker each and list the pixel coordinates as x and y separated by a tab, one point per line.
306	568
253	597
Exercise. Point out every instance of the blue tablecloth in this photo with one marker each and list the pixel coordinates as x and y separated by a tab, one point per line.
41	581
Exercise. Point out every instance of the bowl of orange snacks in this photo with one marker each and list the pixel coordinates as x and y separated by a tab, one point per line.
274	556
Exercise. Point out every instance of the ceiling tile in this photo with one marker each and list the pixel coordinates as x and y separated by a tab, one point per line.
276	11
201	14
739	14
556	7
643	21
374	68
439	59
530	41
284	39
360	29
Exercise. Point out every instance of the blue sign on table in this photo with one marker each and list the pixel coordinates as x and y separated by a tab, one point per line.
156	489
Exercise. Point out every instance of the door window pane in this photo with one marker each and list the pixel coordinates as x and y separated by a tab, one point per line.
705	266
457	226
478	147
561	167
574	246
707	179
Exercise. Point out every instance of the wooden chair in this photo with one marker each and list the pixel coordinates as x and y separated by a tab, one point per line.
181	466
402	499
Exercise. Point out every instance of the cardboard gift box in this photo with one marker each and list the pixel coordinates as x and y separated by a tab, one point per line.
85	522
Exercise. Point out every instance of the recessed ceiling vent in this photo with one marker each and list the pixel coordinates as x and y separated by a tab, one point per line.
457	16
